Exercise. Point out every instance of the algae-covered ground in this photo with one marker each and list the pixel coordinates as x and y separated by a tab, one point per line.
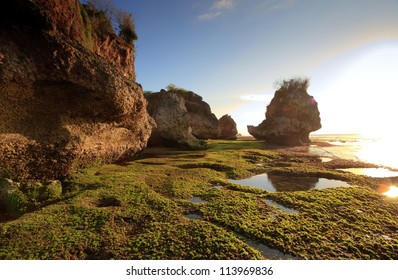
143	209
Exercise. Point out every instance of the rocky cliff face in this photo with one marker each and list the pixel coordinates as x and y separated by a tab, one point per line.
66	99
70	18
290	117
182	117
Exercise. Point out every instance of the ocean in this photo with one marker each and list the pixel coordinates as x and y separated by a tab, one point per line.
377	150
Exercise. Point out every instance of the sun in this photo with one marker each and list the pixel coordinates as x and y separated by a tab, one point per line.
392	192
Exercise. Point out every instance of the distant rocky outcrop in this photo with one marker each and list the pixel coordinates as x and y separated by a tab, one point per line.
68	96
228	128
290	117
203	122
182	119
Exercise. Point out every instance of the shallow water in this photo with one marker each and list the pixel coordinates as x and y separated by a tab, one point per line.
326	159
193	216
273	183
371	149
372	172
280	207
266	252
197	199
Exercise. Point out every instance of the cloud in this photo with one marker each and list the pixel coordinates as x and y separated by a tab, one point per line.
223	4
216	9
208	16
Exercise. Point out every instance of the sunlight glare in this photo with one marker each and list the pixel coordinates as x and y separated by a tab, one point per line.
363	92
392	192
380	152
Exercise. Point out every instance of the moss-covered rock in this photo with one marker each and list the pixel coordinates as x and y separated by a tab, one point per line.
52	190
12	199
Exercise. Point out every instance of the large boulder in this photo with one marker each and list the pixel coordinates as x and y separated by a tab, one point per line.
173	122
228	128
203	122
66	98
290	117
182	118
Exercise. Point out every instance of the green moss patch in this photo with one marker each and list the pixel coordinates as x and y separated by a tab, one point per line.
140	210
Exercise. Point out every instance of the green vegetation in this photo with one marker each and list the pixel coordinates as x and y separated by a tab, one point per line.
174	88
17	198
126	27
101	21
140	210
102	14
296	83
88	31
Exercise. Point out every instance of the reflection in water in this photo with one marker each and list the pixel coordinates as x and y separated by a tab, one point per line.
328	183
285	183
266	252
392	192
259	181
274	183
372	172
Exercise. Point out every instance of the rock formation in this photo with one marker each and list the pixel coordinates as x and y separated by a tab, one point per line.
290	117
173	128
182	118
67	95
228	128
203	122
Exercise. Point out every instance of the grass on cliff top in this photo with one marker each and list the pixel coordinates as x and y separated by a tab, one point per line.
140	210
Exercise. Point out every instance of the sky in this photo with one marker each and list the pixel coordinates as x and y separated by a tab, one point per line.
231	52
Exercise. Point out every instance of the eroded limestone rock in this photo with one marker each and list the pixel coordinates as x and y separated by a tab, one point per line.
64	102
290	117
182	118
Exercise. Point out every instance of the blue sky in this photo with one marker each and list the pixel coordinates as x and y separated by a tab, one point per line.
232	51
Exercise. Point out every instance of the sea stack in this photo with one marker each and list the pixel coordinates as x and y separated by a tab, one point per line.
228	128
68	94
290	117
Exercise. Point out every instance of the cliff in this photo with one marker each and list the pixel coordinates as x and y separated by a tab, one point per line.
68	96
